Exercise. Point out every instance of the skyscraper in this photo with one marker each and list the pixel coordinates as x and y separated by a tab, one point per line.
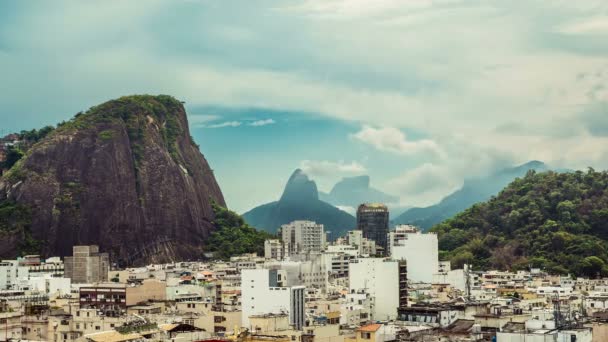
372	220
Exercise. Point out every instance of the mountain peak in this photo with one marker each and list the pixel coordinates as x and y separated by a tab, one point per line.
300	188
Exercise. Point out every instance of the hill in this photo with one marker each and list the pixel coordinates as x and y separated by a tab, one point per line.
557	221
472	191
125	175
300	201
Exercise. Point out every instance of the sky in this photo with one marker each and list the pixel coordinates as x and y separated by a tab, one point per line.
418	94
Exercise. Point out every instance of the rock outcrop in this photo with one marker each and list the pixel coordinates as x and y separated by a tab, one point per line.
126	175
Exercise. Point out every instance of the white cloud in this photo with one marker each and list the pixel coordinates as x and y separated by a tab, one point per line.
593	25
263	122
326	168
426	184
224	124
393	140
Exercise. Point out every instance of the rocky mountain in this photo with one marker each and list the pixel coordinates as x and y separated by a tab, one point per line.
300	201
556	221
472	191
352	191
125	175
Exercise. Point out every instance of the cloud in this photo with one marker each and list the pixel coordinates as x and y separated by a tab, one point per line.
263	122
225	124
326	168
390	139
200	120
427	183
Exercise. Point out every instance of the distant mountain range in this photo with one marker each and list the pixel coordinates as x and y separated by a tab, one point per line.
300	201
472	191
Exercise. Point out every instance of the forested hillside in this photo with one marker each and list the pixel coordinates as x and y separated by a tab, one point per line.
558	221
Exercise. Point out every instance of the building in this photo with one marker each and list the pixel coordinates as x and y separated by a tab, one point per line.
303	237
114	298
372	220
274	249
365	247
263	292
87	265
12	275
420	250
380	279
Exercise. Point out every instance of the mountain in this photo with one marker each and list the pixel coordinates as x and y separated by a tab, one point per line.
352	191
300	201
472	191
556	221
125	175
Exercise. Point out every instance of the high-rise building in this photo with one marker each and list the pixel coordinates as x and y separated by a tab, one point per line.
264	292
303	237
87	265
419	250
372	220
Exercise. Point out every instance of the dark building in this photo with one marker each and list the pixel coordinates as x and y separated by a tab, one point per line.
372	219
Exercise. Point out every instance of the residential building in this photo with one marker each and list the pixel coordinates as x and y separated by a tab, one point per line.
379	278
303	237
420	250
263	292
274	249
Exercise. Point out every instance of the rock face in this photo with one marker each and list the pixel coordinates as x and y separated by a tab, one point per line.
300	201
125	175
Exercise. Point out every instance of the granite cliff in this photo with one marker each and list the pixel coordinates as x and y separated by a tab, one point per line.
125	175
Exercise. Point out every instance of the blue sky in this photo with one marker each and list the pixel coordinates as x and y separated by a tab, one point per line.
418	94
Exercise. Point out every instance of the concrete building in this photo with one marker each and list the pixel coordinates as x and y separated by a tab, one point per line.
12	275
274	249
380	279
303	237
263	292
420	250
87	265
372	220
365	247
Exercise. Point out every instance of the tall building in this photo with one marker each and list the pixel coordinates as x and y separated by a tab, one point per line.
372	220
87	265
303	237
263	292
420	250
365	246
381	279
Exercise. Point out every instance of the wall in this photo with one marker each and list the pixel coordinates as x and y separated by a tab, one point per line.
380	278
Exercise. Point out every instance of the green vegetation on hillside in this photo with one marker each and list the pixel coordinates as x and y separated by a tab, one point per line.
232	236
556	221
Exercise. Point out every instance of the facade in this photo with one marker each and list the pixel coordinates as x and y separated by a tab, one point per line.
373	220
263	292
12	275
420	250
274	249
303	237
380	279
87	265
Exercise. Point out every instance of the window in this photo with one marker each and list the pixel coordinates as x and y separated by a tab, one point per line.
97	327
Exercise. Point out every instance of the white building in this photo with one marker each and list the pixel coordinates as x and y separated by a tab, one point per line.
420	250
12	275
303	237
380	279
263	292
311	272
274	249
